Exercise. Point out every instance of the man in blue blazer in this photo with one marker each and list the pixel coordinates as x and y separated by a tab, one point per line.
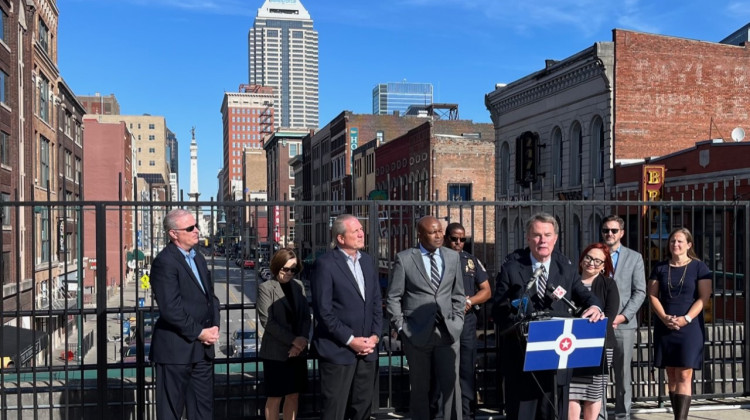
182	346
347	308
426	304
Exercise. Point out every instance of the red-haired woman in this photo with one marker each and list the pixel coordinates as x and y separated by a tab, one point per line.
588	384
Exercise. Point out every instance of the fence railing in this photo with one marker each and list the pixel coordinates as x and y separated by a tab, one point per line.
75	280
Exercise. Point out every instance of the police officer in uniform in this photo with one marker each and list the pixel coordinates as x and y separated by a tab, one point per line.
478	291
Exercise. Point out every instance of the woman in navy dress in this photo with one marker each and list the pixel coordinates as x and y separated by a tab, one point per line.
678	290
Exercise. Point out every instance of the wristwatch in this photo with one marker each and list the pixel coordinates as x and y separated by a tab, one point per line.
468	301
688	318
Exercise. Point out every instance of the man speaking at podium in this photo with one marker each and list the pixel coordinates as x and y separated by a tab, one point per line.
535	283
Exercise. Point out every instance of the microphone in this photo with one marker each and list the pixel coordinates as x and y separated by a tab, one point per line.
557	294
538	272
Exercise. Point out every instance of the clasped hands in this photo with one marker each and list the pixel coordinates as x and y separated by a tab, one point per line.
364	345
209	336
299	345
674	322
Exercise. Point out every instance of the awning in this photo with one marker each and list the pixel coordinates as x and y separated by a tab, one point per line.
20	344
138	252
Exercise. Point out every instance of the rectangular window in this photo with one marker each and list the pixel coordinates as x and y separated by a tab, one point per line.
151	163
6	268
293	149
459	192
152	150
152	126
68	164
44	36
44	160
79	165
3	25
291	172
4	148
4	86
45	252
43	104
6	209
151	137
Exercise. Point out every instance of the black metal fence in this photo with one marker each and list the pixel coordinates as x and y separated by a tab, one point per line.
77	307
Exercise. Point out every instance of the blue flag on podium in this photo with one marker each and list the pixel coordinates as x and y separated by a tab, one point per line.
564	343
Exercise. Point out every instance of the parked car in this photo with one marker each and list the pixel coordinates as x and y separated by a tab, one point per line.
129	353
248	264
246	343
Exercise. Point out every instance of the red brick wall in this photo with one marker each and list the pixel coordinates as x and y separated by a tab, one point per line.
106	150
668	90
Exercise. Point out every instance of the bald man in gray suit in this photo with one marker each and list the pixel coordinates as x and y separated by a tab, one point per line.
425	303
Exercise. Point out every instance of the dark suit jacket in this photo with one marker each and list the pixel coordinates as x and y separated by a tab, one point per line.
339	308
185	310
515	274
525	391
281	322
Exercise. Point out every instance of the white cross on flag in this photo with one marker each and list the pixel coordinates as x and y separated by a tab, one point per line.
564	343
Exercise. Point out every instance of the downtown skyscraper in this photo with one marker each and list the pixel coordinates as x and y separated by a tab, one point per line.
283	54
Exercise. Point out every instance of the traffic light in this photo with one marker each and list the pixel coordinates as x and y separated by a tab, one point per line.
527	158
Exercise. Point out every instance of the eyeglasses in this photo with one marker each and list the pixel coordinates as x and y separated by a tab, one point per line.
454	239
294	269
612	231
189	228
589	260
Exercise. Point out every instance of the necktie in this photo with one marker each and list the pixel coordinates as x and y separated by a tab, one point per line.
191	262
434	273
359	276
541	283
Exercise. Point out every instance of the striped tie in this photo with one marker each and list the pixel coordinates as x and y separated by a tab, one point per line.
434	273
541	283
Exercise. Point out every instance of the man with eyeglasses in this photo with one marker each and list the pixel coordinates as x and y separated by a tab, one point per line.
529	273
478	291
348	312
182	346
630	276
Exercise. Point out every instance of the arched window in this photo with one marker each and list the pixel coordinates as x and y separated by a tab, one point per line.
576	154
557	157
598	147
504	187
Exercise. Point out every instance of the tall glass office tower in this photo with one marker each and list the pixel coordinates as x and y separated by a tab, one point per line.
283	53
398	96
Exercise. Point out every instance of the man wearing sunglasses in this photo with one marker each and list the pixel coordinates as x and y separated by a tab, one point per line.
188	326
348	312
630	276
478	291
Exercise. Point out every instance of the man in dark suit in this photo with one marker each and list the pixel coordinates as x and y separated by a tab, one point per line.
426	304
542	394
347	305
630	276
182	346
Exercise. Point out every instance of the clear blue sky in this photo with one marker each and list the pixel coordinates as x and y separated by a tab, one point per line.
176	58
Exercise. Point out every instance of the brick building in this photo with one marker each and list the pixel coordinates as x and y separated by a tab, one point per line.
561	130
441	160
326	168
711	170
109	176
282	146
